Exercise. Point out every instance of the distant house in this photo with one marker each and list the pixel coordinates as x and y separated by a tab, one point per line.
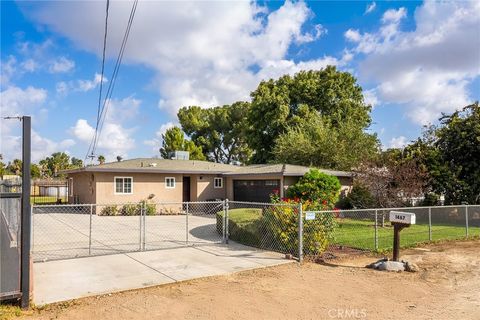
184	180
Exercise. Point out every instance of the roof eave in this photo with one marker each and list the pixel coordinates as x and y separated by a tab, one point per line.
144	170
232	174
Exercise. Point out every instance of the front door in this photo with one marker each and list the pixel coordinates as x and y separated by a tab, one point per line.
186	189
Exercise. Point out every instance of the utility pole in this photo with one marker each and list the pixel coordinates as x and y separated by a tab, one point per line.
26	213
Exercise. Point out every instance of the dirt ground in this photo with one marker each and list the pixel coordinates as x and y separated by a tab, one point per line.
447	287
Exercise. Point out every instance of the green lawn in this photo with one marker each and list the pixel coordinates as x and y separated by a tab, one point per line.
357	233
361	234
46	200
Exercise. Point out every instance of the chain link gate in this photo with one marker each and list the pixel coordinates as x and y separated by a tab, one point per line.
82	230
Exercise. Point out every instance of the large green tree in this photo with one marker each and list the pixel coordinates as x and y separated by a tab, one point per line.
76	162
52	165
459	145
279	106
220	131
174	140
315	141
15	166
450	153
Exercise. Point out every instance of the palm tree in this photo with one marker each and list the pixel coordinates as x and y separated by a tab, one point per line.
101	159
16	166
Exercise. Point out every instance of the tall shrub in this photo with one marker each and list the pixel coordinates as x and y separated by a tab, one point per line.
319	188
281	226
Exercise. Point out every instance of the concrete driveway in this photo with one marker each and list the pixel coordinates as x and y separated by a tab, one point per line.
79	255
62	280
68	235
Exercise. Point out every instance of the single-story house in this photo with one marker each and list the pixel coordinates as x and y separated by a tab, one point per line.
184	180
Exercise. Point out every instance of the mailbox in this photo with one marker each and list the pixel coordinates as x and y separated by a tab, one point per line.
399	220
402	217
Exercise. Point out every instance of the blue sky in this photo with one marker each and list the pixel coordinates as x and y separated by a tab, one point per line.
414	61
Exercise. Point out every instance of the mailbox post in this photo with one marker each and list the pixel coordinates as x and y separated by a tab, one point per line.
400	220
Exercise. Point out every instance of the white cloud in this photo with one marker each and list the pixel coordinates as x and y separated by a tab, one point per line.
61	65
114	141
203	52
41	146
353	35
370	97
87	85
30	65
428	69
398	142
115	138
80	85
370	7
157	141
7	70
394	16
15	101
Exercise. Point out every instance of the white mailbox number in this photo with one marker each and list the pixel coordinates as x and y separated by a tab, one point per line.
402	217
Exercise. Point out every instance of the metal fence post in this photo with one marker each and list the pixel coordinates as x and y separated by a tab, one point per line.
223	221
300	233
144	239
227	206
376	230
90	232
140	240
430	224
26	218
186	223
466	221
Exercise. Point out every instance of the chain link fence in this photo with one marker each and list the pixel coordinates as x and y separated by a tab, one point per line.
81	230
273	227
363	230
70	231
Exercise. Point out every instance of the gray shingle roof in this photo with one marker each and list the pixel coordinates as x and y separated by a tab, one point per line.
201	167
159	166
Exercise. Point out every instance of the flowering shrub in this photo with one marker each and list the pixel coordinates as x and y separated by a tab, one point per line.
321	189
282	223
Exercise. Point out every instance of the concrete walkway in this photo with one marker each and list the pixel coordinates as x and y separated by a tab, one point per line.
63	280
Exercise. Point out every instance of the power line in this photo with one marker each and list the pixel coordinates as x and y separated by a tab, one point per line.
101	79
111	86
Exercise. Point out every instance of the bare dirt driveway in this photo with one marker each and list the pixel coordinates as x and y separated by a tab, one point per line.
447	287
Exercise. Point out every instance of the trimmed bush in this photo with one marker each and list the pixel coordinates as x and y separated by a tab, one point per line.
359	198
150	208
243	225
276	228
130	210
109	211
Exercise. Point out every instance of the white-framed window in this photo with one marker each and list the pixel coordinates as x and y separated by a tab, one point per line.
218	183
70	187
169	182
123	185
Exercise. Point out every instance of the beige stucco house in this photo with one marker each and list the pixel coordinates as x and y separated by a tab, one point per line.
183	180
